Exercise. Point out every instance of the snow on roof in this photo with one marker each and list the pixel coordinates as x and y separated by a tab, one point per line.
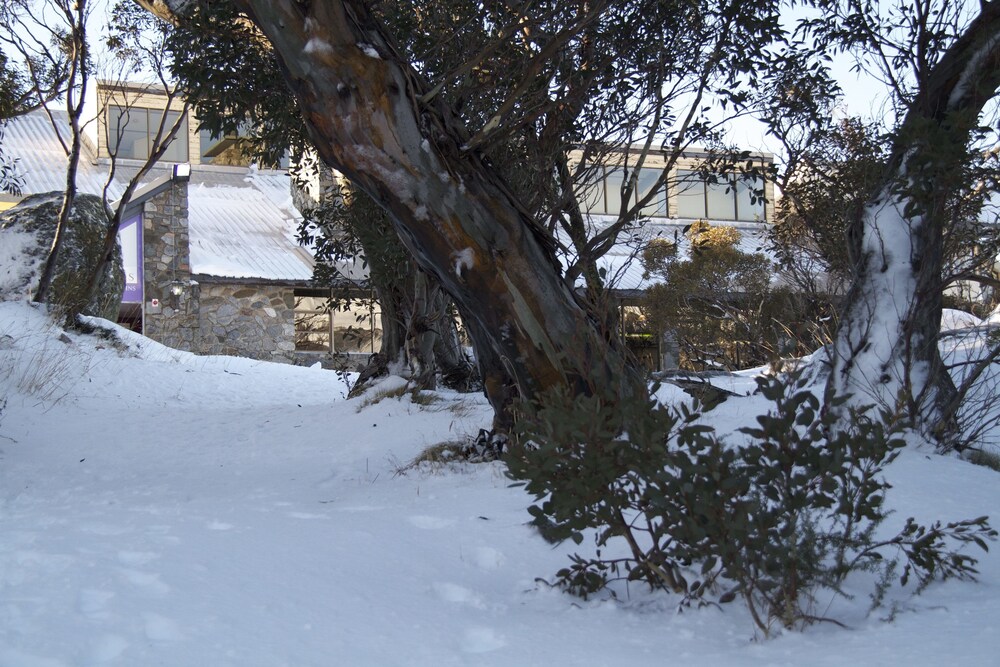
241	226
41	159
623	263
242	223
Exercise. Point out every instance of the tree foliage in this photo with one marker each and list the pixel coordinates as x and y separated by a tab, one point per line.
719	304
773	518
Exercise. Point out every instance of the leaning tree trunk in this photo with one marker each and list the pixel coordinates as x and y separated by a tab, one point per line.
360	102
886	349
419	335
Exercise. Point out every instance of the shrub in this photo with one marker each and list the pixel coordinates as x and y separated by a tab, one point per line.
720	303
791	511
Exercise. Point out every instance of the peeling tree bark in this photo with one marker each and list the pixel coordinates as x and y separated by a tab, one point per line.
886	348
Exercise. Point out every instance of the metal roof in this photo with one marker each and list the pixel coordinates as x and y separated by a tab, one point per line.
241	221
41	159
243	225
623	263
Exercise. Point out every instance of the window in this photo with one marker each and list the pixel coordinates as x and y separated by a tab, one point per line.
657	206
223	150
350	327
728	199
131	132
690	195
605	196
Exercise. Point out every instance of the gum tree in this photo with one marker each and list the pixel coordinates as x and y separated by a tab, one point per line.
425	137
941	63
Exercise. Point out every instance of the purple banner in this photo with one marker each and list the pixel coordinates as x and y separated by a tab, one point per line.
130	237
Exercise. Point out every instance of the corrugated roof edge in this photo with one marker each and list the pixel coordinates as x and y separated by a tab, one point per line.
273	282
145	193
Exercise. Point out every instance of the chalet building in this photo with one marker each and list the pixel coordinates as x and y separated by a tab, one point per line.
739	201
212	260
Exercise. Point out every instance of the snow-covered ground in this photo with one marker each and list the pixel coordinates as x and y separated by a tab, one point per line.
159	508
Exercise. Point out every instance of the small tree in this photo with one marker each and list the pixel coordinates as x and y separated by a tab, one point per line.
774	518
50	37
719	303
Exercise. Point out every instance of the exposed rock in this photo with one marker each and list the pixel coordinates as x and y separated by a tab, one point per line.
26	233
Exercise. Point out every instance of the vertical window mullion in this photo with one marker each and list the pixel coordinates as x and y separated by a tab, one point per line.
149	136
330	312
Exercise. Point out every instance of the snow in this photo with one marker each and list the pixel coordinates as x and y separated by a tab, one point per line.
875	318
971	70
17	278
958	319
317	45
162	508
369	50
464	260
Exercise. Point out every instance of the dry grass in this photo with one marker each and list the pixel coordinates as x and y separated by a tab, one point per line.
443	455
381	394
984	458
52	369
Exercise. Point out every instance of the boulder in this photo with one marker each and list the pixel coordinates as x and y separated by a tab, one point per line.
26	233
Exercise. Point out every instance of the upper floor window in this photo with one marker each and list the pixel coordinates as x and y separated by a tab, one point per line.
221	149
132	132
727	199
605	196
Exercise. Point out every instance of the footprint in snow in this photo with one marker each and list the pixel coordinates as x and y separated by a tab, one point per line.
488	558
480	639
160	628
455	593
430	522
134	558
93	603
104	529
107	648
146	581
219	525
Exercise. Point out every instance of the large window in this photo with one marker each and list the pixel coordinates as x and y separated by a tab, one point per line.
350	327
727	199
132	131
605	196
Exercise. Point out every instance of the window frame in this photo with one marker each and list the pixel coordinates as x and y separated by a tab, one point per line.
116	133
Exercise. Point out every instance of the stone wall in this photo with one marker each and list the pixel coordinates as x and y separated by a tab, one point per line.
170	318
247	321
214	317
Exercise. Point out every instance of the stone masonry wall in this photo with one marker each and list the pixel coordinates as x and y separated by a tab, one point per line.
173	321
247	321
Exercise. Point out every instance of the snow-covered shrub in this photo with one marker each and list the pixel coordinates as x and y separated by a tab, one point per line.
772	520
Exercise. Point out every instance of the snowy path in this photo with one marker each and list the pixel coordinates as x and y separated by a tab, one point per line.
184	511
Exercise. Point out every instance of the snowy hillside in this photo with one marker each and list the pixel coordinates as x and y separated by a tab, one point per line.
158	508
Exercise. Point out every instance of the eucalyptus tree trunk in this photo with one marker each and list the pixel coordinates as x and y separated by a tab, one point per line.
362	105
886	349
